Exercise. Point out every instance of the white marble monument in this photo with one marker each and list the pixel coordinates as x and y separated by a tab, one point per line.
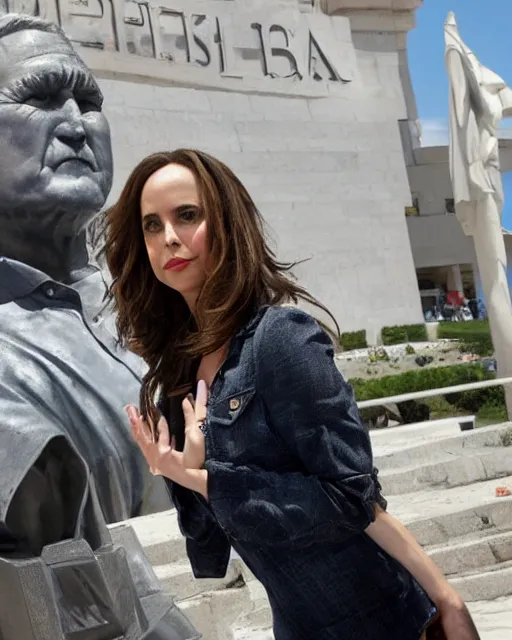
303	105
479	99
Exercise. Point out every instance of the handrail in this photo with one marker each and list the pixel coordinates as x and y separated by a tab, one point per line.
432	393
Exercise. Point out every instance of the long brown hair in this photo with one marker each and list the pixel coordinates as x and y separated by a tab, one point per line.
153	320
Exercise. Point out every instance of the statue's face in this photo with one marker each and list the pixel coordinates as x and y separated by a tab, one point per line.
54	139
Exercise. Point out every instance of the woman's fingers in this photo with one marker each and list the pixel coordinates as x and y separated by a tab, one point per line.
201	401
133	414
189	412
163	432
146	431
195	411
140	429
162	458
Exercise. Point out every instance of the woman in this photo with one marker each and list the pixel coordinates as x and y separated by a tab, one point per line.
276	464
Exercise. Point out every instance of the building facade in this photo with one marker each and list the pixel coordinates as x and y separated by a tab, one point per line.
306	101
444	257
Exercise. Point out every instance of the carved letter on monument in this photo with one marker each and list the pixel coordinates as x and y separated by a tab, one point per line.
140	38
320	66
224	39
279	59
91	24
198	49
171	40
234	44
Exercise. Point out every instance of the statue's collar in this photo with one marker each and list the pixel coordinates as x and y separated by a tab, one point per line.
18	279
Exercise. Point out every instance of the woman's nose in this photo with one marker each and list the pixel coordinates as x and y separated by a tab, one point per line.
171	237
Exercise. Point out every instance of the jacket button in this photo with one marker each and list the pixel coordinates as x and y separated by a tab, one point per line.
234	404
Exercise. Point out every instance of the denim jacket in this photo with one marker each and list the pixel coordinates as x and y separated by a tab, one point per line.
292	487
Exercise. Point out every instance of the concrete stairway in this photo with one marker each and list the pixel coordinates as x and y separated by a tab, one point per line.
445	493
438	480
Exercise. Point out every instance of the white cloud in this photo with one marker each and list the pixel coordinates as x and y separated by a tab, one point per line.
434	132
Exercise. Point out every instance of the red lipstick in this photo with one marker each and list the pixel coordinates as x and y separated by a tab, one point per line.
177	264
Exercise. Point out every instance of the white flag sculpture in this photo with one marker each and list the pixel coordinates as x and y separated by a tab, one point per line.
478	100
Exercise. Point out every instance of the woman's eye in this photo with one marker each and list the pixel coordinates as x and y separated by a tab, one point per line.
190	215
151	226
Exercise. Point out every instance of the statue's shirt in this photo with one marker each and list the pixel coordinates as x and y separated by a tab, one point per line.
61	373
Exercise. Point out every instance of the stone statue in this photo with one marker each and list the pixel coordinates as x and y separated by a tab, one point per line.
478	101
67	462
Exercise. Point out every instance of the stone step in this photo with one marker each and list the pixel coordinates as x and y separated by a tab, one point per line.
258	620
459	444
215	616
253	633
215	613
439	515
393	439
177	579
259	617
221	614
161	538
493	618
473	552
493	581
474	465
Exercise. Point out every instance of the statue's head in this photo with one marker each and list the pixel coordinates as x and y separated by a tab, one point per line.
55	149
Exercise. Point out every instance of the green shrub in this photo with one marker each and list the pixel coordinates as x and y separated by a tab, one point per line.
419	380
487	404
354	340
493	414
482	346
404	333
474	401
474	337
463	330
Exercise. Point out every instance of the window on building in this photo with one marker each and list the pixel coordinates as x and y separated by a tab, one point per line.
449	205
415	209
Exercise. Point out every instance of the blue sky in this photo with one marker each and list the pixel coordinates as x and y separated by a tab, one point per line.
485	26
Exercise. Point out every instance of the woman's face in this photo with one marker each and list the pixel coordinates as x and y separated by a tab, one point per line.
174	229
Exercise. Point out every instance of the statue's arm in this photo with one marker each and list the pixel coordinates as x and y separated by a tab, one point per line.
42	492
43	479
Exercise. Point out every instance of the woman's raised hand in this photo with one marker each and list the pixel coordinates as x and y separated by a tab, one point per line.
184	468
162	458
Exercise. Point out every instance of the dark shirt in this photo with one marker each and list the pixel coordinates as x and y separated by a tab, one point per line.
292	487
61	374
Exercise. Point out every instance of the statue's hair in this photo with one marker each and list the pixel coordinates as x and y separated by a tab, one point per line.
15	22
